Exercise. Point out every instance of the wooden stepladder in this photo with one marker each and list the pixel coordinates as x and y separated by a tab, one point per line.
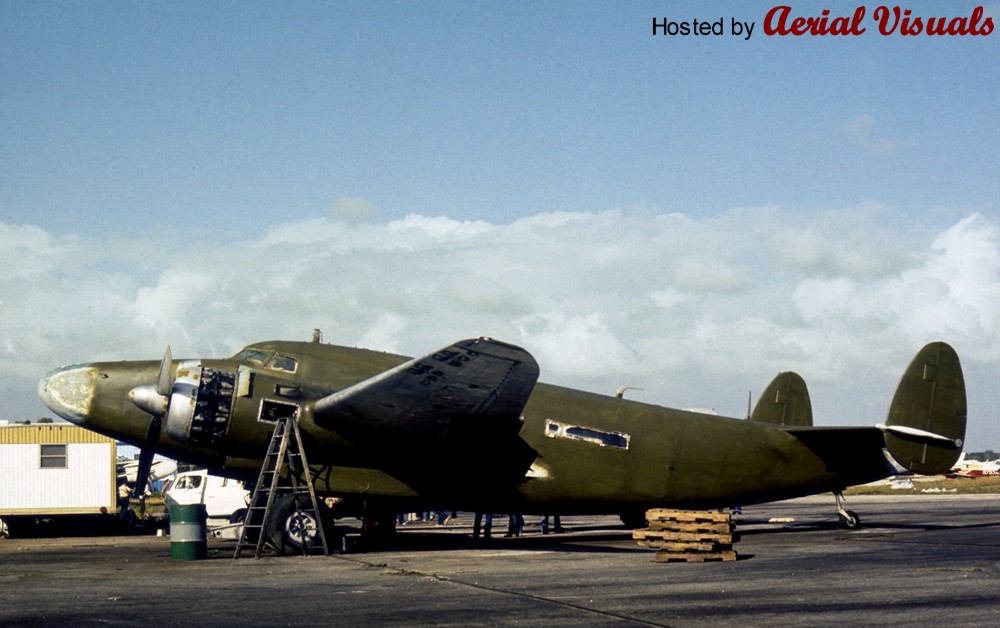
284	453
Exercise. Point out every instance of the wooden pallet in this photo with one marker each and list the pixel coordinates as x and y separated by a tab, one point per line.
685	557
651	537
687	516
703	527
688	536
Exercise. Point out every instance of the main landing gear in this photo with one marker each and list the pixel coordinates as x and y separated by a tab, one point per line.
847	519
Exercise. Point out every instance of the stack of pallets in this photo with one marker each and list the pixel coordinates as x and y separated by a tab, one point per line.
688	535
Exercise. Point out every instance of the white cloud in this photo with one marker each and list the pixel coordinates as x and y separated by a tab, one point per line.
28	251
694	310
700	274
958	286
384	333
353	210
581	344
437	228
861	131
667	298
178	290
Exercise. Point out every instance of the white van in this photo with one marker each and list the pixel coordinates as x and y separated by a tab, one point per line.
224	498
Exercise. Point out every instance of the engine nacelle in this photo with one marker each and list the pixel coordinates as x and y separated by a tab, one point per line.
201	404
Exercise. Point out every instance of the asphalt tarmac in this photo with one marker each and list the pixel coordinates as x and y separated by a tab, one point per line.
917	561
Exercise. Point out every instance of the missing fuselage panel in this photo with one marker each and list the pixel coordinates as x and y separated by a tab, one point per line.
271	410
555	429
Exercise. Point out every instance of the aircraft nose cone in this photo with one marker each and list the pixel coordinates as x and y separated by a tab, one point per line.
69	391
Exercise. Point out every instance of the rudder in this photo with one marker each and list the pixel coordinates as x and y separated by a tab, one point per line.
785	401
925	427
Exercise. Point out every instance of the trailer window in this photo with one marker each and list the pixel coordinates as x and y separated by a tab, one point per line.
52	457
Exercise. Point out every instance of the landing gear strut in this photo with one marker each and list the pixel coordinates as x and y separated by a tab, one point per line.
847	519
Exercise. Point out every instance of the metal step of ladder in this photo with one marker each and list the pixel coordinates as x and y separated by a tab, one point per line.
284	450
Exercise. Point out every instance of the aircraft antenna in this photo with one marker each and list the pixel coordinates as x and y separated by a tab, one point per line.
620	393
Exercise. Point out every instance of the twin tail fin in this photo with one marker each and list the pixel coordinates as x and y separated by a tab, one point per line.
785	401
925	427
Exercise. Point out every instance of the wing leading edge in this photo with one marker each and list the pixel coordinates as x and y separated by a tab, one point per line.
473	388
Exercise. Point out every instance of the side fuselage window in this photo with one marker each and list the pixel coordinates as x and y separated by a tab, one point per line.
283	363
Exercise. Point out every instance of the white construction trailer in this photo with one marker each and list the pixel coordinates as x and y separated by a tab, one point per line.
53	470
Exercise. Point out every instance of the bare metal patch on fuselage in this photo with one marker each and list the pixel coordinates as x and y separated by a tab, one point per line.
537	471
601	438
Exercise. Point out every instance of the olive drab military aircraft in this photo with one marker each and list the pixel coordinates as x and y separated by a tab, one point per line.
468	427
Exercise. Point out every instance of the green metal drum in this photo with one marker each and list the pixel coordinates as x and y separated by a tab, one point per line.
187	531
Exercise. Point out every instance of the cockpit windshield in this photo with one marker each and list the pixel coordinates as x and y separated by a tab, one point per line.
252	355
268	359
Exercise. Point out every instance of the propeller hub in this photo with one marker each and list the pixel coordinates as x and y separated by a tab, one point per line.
147	398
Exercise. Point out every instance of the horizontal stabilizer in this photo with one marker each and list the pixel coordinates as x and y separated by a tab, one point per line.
785	401
920	436
925	427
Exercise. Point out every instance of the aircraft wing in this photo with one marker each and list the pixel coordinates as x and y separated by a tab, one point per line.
474	389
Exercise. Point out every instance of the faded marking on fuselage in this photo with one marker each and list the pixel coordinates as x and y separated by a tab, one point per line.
537	471
593	436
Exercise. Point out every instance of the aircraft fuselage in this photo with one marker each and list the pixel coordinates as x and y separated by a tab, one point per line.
575	451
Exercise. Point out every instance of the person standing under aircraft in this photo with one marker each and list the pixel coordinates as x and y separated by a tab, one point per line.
557	527
487	525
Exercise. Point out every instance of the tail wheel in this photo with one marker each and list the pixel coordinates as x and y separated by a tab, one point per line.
848	520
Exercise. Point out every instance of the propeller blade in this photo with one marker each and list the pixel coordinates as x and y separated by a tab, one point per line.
146	457
165	380
156	404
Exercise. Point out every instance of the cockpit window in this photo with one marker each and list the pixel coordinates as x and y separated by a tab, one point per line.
283	363
251	355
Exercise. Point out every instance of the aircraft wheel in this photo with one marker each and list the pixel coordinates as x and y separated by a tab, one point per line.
290	528
849	520
634	519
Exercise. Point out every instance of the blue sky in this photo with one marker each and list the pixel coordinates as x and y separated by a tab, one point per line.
416	150
202	112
